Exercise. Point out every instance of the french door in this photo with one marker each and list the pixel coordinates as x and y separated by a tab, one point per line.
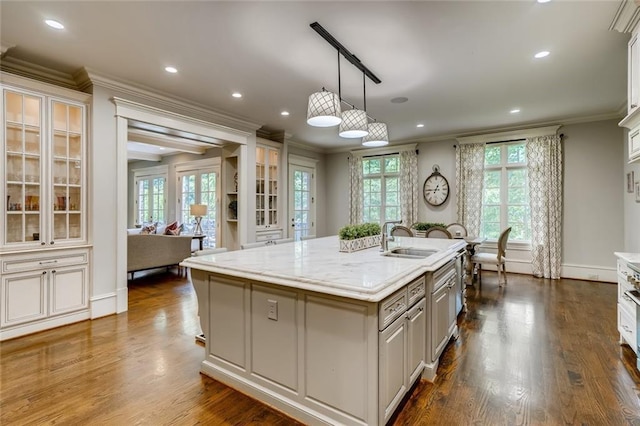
150	201
302	209
200	187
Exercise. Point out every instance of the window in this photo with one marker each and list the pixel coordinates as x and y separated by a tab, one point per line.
505	198
199	187
381	188
150	196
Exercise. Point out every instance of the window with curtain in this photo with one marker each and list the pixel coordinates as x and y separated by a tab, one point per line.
381	188
505	195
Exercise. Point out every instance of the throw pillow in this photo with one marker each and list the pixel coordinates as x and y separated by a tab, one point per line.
171	229
149	229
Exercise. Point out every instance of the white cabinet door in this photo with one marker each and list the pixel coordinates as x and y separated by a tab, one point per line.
439	321
68	289
393	366
417	334
24	297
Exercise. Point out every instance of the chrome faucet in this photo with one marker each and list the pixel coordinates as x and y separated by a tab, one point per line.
384	242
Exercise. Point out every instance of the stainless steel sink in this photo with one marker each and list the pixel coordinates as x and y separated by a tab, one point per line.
410	252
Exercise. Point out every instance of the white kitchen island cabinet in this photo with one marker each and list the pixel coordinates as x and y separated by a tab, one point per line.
324	336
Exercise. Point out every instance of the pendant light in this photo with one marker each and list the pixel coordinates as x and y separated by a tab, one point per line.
378	135
354	121
324	109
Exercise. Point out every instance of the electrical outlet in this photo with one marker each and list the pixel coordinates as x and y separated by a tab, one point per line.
272	309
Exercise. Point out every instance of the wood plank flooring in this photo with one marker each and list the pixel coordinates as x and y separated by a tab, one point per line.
537	352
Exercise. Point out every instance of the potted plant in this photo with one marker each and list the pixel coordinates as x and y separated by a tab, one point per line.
422	227
359	237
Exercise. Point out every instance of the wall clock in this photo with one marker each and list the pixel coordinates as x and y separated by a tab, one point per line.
436	188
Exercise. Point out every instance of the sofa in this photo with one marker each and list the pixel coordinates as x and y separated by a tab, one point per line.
147	251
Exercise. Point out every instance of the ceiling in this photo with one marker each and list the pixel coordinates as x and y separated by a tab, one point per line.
463	65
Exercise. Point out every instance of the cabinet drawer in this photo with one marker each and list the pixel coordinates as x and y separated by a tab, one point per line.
627	328
634	143
623	270
624	300
19	264
274	234
392	307
416	290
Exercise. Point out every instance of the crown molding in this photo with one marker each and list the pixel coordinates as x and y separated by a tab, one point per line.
306	146
87	77
38	72
389	149
133	155
626	17
4	47
513	134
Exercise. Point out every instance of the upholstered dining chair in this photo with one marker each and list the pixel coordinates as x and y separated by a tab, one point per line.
438	232
493	259
401	231
457	230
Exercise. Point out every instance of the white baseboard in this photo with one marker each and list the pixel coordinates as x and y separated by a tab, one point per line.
33	327
572	271
589	273
103	305
122	299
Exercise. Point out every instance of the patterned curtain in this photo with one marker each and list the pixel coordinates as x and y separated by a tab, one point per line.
355	189
409	187
469	181
544	162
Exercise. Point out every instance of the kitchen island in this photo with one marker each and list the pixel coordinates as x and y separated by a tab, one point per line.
324	336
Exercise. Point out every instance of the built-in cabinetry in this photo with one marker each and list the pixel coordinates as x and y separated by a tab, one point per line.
319	357
627	325
230	206
632	120
44	205
402	322
268	188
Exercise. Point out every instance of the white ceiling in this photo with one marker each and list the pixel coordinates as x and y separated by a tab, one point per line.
463	65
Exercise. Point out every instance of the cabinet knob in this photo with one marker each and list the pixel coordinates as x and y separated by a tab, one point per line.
52	242
53	272
42	243
44	272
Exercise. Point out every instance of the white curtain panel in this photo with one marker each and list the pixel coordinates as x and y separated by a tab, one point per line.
355	189
469	182
409	187
544	162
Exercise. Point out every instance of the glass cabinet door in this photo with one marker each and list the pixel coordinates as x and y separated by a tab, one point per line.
23	167
266	186
66	170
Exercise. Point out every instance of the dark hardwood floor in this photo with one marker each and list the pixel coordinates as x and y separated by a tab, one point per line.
537	352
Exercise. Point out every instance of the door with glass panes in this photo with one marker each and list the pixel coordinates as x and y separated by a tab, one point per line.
200	187
302	201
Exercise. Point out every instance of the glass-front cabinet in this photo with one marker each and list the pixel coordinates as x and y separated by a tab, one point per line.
44	170
267	176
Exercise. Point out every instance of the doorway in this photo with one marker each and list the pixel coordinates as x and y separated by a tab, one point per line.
302	188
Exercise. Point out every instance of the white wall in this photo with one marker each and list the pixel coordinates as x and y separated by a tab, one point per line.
593	201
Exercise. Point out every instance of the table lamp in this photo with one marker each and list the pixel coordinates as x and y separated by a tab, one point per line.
197	211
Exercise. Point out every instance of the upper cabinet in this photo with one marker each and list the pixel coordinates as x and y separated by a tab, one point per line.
267	188
44	150
627	20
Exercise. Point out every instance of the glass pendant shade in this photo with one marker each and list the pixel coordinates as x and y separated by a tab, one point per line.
378	135
324	109
354	124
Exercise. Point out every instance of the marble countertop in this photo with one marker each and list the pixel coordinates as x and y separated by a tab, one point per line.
317	265
628	257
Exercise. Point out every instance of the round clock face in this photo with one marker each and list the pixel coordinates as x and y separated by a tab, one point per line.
436	189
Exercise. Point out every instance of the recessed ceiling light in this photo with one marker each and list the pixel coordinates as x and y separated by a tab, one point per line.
541	54
420	125
172	70
236	95
399	100
544	1
161	149
284	113
515	111
54	24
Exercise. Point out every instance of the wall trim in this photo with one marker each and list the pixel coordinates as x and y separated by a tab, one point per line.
626	17
389	149
300	160
87	77
567	270
102	305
